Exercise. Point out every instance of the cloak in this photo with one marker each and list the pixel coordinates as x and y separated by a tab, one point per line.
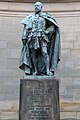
53	46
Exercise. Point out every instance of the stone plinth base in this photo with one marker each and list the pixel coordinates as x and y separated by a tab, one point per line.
39	98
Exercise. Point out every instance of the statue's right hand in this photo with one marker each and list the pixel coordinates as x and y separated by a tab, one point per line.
29	28
46	32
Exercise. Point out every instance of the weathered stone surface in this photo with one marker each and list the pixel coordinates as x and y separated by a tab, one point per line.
70	107
68	115
9	106
39	99
8	115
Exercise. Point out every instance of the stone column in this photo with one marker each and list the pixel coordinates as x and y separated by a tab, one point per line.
39	98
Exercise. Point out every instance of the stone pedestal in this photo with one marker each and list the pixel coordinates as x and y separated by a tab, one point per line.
39	99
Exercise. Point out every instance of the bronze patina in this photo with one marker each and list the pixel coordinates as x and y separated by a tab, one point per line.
40	53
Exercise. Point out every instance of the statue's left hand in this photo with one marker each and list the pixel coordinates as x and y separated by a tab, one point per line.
24	41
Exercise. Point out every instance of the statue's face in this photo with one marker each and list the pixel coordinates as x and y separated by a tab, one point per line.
38	8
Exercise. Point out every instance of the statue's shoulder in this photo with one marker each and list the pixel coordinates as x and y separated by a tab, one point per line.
50	18
47	15
26	19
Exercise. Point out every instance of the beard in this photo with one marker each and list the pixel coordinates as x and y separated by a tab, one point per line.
37	10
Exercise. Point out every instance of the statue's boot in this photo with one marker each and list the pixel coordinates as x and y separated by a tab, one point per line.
35	73
49	73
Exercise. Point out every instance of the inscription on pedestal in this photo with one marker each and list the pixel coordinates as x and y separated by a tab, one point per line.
39	100
39	113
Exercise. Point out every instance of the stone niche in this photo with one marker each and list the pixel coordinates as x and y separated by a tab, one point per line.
39	99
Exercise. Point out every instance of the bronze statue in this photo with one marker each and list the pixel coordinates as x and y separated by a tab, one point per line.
40	53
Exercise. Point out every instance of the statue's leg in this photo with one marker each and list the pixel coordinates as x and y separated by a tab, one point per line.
34	60
46	59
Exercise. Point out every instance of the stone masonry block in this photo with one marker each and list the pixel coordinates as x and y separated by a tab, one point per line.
77	96
7	80
61	72
3	98
70	63
13	63
70	28
67	29
70	106
76	44
73	87
9	115
14	44
76	80
63	36
16	21
78	35
68	115
10	36
15	53
10	97
64	97
77	65
2	44
62	64
78	20
7	20
11	28
73	72
75	54
5	53
73	90
19	6
0	19
9	106
3	5
2	80
68	21
7	72
62	90
67	63
65	54
18	73
3	63
66	81
68	45
71	36
11	81
78	28
78	115
9	92
8	89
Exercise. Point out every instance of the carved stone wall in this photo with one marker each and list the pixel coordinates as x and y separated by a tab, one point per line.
68	17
